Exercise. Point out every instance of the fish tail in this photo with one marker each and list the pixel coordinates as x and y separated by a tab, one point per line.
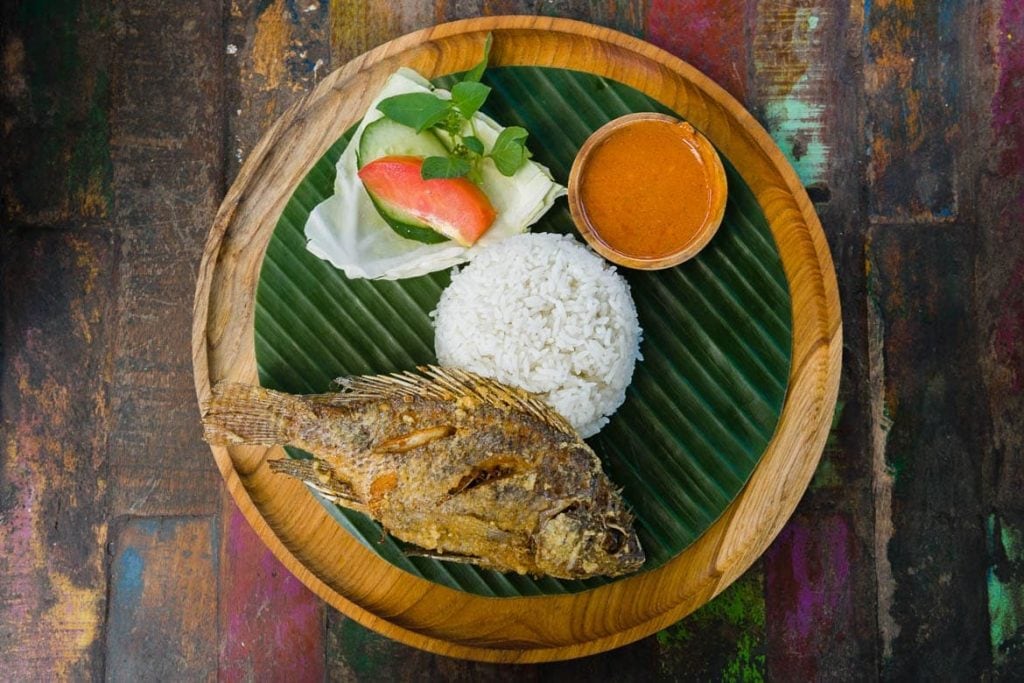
244	414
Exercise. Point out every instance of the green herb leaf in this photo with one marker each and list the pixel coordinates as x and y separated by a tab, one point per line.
509	152
419	110
473	144
477	72
469	96
443	167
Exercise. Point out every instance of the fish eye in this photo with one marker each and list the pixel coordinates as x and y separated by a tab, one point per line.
613	540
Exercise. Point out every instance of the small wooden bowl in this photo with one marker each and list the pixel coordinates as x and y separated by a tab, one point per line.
696	241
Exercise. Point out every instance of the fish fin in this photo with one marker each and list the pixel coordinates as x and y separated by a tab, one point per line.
244	414
415	551
450	384
414	439
319	475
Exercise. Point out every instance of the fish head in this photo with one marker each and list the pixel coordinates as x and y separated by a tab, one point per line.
587	538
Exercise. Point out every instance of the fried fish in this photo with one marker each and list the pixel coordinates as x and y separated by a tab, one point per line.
464	467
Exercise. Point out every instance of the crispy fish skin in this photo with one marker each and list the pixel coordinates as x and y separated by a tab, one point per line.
462	466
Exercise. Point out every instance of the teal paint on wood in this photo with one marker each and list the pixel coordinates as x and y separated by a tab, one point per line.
1005	581
794	47
160	617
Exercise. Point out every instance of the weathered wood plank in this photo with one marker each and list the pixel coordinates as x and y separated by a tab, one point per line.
55	92
1001	210
820	579
920	290
710	35
795	53
271	625
912	77
275	52
57	307
998	185
817	628
167	133
360	26
162	584
622	15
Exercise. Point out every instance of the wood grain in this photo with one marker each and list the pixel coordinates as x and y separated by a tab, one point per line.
516	630
166	136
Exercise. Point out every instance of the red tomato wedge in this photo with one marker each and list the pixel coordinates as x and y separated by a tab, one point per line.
454	207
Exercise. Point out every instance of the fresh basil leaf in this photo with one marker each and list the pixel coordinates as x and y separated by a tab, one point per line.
473	144
443	167
469	96
419	110
477	72
509	152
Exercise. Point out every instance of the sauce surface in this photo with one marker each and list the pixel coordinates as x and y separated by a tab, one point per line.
645	190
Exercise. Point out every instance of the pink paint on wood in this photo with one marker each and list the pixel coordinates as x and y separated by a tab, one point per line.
807	575
1008	130
708	34
1008	102
271	625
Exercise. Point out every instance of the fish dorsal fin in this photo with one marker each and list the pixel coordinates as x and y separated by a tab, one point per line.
449	384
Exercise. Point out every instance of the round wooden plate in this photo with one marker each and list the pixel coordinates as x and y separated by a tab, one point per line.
380	596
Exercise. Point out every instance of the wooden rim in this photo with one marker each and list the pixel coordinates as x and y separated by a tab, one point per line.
716	177
417	612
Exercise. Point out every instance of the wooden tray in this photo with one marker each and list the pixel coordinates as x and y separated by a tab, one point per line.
424	614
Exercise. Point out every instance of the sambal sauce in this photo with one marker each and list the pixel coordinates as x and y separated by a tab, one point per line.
649	190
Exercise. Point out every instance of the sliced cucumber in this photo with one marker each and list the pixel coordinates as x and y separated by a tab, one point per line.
385	138
407	226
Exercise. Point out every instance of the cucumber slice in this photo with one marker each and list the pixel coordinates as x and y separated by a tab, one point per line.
385	138
407	226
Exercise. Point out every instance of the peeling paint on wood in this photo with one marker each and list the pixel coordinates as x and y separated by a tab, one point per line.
710	35
53	467
1005	542
271	625
55	92
275	52
794	66
912	80
812	601
149	635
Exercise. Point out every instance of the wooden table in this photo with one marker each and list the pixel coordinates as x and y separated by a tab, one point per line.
122	557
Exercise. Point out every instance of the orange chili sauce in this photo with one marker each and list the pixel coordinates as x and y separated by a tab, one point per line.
645	191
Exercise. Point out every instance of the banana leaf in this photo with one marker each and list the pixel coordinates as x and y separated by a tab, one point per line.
705	398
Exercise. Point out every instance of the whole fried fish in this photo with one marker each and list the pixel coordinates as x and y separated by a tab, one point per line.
465	467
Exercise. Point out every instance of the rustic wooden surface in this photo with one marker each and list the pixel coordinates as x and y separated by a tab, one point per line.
122	558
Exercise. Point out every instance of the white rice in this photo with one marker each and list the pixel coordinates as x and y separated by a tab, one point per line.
543	312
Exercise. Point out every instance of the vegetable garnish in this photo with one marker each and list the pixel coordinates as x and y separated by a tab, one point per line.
350	230
453	118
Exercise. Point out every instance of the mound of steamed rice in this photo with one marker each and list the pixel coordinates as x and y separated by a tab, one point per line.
543	312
